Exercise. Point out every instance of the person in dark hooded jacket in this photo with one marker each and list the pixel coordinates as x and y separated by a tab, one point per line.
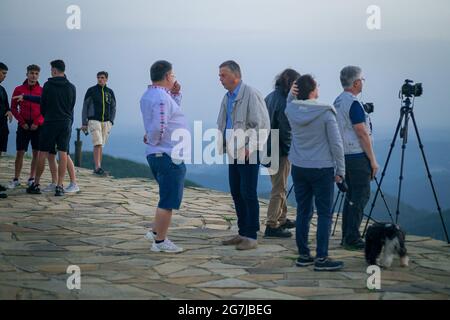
5	115
277	223
57	106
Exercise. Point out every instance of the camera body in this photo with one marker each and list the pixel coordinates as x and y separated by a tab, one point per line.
411	89
369	107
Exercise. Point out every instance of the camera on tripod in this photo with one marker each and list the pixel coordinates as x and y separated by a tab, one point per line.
411	89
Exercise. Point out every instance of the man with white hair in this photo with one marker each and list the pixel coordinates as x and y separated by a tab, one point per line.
360	161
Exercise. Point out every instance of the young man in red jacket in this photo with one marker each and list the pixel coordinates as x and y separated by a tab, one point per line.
30	119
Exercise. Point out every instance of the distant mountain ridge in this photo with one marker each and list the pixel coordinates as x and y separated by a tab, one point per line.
123	168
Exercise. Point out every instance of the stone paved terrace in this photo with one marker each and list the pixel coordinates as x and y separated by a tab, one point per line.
101	230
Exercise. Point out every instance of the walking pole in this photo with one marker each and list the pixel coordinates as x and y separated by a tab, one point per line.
78	145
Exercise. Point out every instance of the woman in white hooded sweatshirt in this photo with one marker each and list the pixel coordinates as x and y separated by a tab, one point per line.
317	157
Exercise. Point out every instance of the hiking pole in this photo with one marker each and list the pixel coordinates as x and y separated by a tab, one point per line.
78	145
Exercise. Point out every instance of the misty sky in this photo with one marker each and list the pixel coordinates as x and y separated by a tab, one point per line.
320	37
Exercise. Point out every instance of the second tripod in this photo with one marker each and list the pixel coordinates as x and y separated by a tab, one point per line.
406	113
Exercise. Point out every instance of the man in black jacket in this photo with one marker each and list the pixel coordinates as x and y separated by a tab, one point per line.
57	105
277	223
5	115
5	111
99	111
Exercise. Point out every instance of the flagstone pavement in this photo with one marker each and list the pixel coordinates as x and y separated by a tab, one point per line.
101	230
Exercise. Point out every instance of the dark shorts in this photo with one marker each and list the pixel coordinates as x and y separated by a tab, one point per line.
24	137
57	134
4	132
55	152
170	178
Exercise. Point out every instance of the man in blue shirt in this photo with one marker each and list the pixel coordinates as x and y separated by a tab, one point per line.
360	161
231	97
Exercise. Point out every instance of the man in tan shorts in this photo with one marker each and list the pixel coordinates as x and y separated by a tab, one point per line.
99	111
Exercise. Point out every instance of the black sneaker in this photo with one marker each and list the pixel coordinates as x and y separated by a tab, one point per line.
99	172
326	264
356	246
3	196
277	233
59	191
2	188
30	181
34	189
304	261
289	224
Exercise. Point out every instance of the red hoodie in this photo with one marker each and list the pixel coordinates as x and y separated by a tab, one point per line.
28	112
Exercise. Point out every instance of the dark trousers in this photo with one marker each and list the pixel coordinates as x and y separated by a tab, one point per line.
317	183
243	180
358	176
4	132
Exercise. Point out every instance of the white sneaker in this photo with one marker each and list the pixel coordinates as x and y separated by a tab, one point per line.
166	246
30	182
14	184
50	188
150	236
72	188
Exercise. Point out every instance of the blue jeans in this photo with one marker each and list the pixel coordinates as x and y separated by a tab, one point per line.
170	178
317	183
243	180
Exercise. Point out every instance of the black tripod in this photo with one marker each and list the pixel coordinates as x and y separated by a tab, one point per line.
406	113
340	198
342	195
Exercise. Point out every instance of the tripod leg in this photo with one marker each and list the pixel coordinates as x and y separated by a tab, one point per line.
289	193
383	173
384	200
339	210
429	176
402	166
335	202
